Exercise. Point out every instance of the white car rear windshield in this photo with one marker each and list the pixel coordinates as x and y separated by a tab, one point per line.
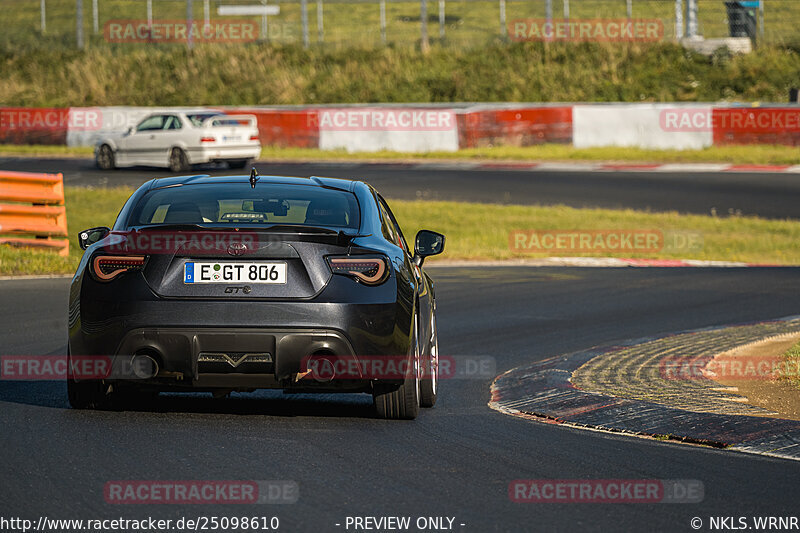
197	119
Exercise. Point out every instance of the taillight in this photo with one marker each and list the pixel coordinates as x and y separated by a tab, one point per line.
370	270
108	267
254	137
208	139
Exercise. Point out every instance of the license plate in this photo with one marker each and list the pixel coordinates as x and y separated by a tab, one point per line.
234	272
234	138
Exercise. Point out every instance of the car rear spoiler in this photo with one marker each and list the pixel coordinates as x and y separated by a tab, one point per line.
250	119
319	234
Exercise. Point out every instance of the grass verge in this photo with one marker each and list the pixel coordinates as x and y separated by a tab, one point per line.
750	154
792	364
478	231
262	74
45	150
742	155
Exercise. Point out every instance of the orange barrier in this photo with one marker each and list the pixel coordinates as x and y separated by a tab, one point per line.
32	212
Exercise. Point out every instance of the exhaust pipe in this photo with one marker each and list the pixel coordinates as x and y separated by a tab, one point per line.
144	366
322	368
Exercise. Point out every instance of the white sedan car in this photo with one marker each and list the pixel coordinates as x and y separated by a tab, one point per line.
177	140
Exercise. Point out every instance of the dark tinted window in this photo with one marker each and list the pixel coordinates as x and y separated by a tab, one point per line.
390	224
172	123
198	118
239	204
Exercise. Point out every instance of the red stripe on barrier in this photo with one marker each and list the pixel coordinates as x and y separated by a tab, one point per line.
277	127
28	125
515	127
767	125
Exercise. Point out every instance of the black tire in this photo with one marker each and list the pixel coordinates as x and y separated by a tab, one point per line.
178	162
104	158
239	163
401	402
89	394
429	383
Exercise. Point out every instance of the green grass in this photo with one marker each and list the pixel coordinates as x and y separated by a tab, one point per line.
45	150
481	231
750	154
473	63
260	74
792	362
476	231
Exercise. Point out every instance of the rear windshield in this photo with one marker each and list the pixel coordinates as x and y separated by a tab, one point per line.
220	119
223	204
198	118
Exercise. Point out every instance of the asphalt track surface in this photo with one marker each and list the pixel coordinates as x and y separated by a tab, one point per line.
770	195
455	460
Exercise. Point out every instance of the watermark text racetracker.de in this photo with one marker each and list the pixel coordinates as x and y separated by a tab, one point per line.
613	30
704	119
326	367
381	119
78	367
195	523
606	491
178	31
130	492
50	119
608	241
55	367
203	242
743	368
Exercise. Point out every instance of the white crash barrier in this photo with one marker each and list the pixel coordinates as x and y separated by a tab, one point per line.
657	126
371	129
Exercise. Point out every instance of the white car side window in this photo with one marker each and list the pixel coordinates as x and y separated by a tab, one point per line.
155	122
172	123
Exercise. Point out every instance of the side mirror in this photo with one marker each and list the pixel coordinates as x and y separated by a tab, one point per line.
427	243
129	131
88	237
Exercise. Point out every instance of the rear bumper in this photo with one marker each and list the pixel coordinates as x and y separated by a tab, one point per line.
205	154
175	333
182	356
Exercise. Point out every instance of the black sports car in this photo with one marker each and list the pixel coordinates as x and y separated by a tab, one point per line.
232	283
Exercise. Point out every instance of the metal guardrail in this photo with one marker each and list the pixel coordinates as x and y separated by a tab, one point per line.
32	211
333	23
